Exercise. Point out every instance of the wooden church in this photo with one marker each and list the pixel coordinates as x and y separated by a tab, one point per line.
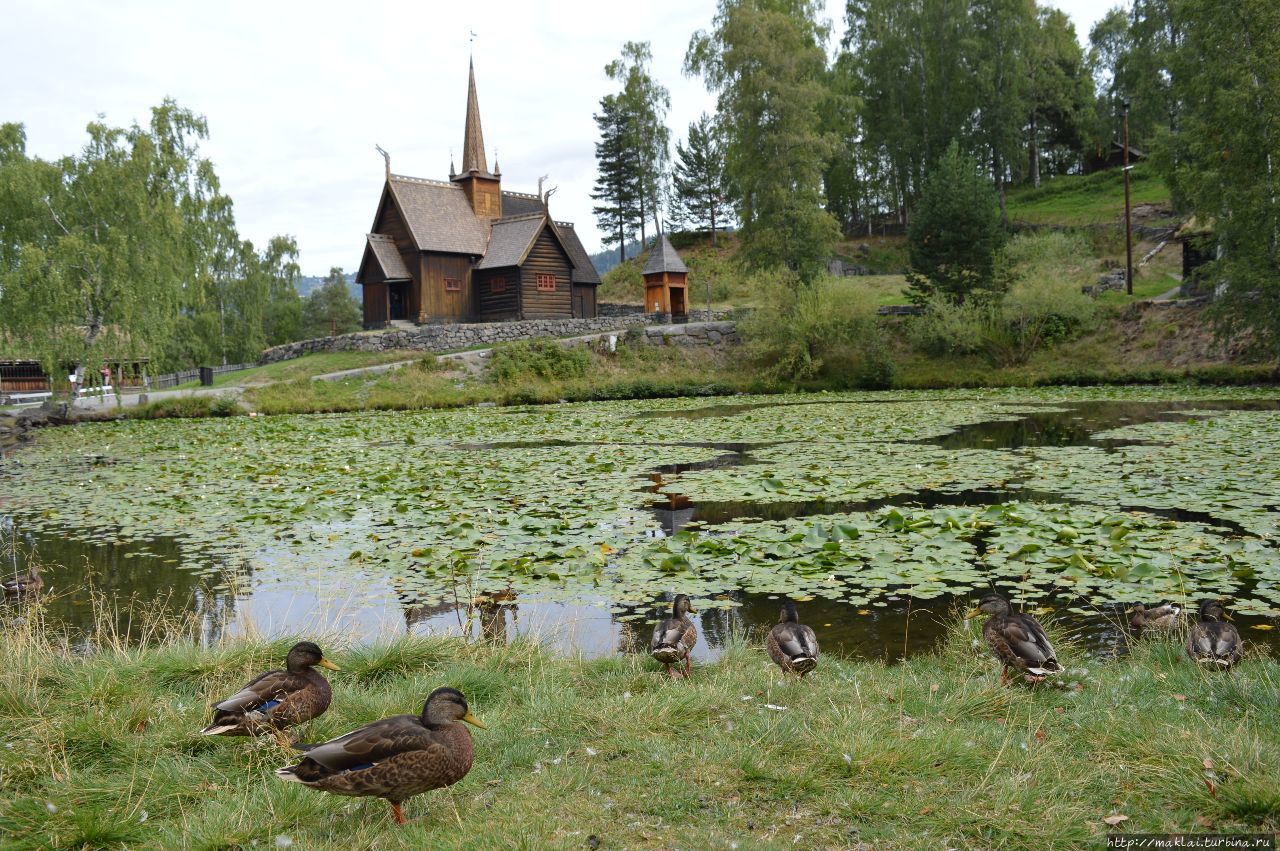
465	250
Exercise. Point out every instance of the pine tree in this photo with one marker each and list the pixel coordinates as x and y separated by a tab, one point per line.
701	187
617	188
330	309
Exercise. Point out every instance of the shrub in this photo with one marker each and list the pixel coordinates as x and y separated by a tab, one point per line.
824	329
538	359
1043	306
186	407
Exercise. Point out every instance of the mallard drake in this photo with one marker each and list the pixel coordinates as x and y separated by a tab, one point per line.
791	644
1161	618
674	637
395	758
278	699
23	586
1212	640
1018	640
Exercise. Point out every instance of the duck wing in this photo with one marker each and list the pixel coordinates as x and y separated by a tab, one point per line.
1027	640
270	688
796	640
373	743
1225	640
674	632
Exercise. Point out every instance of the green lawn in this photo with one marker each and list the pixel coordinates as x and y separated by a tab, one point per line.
307	366
1085	199
101	749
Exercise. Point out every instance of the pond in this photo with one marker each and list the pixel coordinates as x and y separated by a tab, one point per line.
880	513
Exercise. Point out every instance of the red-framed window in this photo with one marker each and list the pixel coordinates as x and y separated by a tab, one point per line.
546	283
453	285
498	284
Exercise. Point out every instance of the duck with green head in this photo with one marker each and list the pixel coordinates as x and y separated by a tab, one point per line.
1017	640
395	758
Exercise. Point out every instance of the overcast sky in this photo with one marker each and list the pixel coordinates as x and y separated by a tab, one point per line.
297	94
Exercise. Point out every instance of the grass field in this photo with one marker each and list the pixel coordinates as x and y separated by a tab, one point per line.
101	750
1085	199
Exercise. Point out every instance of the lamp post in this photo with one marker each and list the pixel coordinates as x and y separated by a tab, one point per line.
1128	223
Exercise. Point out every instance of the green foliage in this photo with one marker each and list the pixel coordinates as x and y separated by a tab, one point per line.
765	62
821	329
633	150
129	249
955	233
186	407
330	309
1225	157
702	191
540	359
1043	306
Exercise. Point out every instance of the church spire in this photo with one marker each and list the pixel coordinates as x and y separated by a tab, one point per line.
473	138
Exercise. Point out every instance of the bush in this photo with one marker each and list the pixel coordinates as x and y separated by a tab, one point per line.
186	407
826	329
537	359
1043	306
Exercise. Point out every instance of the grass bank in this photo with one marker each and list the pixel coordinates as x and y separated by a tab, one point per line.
101	750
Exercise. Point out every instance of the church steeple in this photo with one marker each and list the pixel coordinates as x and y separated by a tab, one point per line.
483	188
473	137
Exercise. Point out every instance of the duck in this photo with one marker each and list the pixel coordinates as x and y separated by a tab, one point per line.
1213	641
23	586
277	700
674	637
1017	640
395	758
1161	618
791	644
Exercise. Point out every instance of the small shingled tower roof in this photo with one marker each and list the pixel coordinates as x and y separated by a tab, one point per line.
663	258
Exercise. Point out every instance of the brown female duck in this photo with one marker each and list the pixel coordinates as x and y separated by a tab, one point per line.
791	644
1213	641
1161	618
674	637
395	758
276	700
1018	640
23	586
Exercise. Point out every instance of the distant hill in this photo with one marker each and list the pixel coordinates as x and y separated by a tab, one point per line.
307	283
607	259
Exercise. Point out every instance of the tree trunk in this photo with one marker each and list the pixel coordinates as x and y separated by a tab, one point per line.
1035	152
998	174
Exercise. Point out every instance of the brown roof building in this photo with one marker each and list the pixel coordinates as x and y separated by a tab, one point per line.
464	250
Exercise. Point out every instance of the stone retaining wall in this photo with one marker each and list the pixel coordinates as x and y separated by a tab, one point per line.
693	334
445	338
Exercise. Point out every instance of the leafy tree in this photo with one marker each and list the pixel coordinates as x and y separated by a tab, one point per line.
701	186
1226	154
98	247
617	188
646	141
955	232
765	61
330	309
1003	34
282	319
1061	94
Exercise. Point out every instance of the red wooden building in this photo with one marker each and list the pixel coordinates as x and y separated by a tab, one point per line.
465	250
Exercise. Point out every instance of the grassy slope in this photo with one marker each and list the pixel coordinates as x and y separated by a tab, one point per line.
932	752
1085	200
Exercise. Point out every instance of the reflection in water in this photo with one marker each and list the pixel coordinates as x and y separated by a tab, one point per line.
282	598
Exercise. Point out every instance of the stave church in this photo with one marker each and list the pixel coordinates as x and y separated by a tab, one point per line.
466	250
